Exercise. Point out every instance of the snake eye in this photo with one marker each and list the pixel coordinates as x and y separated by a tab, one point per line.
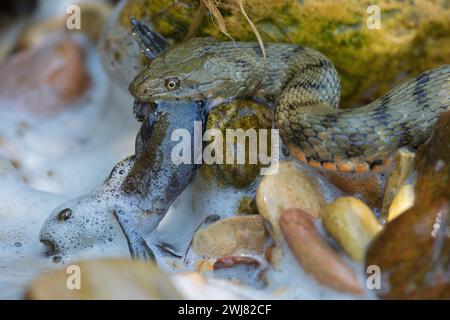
172	83
64	214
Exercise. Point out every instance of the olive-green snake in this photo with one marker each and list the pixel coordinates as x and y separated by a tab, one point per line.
303	86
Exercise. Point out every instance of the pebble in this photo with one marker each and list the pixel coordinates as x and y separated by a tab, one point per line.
289	188
231	261
404	199
404	166
315	255
351	222
231	236
367	185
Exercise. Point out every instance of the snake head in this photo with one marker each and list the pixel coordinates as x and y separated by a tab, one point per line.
191	71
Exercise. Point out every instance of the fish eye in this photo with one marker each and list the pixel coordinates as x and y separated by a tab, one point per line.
64	214
172	83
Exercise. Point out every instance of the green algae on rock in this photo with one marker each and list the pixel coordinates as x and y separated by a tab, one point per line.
239	115
413	250
413	35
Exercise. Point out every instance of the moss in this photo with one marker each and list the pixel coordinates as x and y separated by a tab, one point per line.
170	18
413	38
239	115
247	206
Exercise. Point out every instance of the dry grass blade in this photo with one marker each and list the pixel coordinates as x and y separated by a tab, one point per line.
212	6
252	25
218	18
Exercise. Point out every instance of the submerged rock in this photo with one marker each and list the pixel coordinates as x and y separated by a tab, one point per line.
351	222
315	255
288	188
231	236
240	115
413	250
368	186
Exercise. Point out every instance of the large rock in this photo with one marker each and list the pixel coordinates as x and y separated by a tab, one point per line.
413	251
242	115
413	36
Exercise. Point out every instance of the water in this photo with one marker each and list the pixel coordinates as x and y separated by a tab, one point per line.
70	154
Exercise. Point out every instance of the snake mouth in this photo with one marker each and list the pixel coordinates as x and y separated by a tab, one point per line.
51	247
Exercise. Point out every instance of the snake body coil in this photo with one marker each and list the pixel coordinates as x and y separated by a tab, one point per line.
304	87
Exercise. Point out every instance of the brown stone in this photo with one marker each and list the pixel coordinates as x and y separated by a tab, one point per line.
413	251
290	187
315	255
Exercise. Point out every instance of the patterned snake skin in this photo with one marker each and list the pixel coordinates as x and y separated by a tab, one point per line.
303	86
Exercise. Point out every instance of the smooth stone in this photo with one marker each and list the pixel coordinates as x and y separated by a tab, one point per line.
231	236
289	188
403	200
105	279
315	255
351	222
404	166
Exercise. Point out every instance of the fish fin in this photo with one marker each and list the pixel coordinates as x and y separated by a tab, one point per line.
151	42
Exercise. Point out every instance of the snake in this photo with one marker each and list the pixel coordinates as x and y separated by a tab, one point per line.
183	82
303	88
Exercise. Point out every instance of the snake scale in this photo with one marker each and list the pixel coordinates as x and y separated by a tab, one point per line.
303	87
